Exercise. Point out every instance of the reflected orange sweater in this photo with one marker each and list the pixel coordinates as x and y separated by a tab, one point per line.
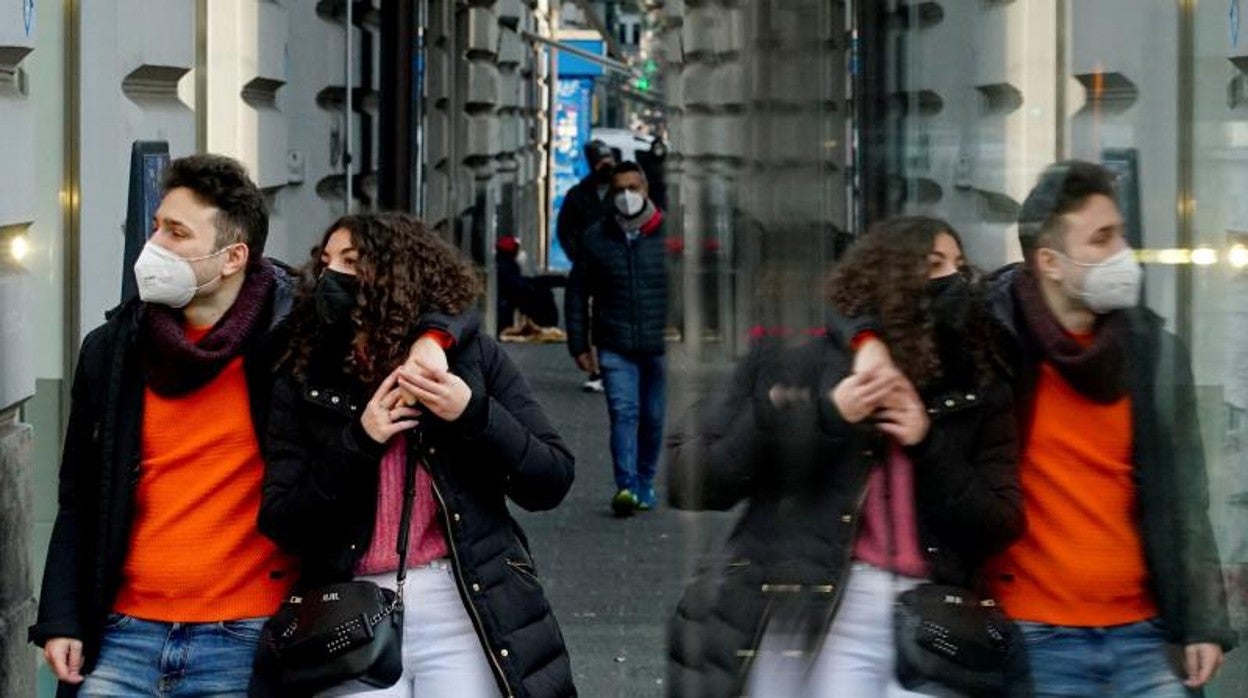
1081	561
195	553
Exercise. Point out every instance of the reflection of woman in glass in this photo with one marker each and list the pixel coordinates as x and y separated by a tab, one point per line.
859	485
356	401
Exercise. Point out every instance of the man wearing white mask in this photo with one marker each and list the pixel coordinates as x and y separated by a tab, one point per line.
1116	583
156	578
619	271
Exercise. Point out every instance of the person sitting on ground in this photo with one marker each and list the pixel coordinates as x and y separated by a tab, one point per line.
532	296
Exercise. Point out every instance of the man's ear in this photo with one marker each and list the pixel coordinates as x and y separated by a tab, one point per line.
1048	264
236	259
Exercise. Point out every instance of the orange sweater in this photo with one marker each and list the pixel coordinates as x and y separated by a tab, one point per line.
1081	562
195	553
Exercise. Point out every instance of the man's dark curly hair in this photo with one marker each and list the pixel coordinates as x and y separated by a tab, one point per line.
222	182
403	270
1062	187
884	275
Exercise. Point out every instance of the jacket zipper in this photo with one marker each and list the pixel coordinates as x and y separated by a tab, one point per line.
632	282
845	562
463	590
836	602
755	644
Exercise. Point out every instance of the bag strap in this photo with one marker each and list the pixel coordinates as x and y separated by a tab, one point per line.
888	516
405	521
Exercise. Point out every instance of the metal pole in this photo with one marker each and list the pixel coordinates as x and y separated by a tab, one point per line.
552	103
1186	238
397	125
603	61
422	63
348	107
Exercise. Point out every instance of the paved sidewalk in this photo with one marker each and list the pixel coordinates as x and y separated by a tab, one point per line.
613	583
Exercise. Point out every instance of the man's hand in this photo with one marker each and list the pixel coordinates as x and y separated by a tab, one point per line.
64	655
440	391
861	394
587	363
1201	661
426	351
903	415
386	415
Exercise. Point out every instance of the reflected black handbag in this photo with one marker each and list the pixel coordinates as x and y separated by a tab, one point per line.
330	634
948	637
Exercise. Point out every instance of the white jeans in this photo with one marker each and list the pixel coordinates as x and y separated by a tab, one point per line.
856	660
442	656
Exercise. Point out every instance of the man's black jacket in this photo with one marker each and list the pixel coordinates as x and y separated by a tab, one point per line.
627	282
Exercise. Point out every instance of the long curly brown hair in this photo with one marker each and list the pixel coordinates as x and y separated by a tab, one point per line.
404	270
884	274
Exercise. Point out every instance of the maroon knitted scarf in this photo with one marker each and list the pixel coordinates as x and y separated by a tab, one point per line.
175	366
1097	371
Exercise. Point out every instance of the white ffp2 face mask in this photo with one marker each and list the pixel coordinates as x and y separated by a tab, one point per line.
629	203
1107	286
166	278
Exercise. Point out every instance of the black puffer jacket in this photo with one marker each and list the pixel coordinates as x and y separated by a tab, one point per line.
804	471
320	498
627	284
100	469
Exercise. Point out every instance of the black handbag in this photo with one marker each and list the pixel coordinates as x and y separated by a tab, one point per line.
326	635
948	637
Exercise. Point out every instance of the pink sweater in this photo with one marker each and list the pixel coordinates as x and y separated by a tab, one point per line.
872	544
427	539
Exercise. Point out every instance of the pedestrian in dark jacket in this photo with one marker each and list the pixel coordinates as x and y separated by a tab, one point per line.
1119	560
156	576
859	484
620	281
355	402
587	202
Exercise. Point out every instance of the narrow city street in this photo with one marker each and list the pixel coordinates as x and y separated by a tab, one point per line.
613	583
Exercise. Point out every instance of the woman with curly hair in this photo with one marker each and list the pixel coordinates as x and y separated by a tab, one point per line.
859	485
365	390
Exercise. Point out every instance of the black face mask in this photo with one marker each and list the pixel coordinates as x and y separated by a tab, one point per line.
603	174
335	297
949	296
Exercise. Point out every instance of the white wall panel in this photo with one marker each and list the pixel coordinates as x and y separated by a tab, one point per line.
314	131
246	74
146	47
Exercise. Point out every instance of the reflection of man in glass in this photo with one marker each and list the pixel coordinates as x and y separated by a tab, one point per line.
1117	582
584	205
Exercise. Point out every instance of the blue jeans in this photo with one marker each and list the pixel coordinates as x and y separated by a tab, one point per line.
147	658
1132	660
636	399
